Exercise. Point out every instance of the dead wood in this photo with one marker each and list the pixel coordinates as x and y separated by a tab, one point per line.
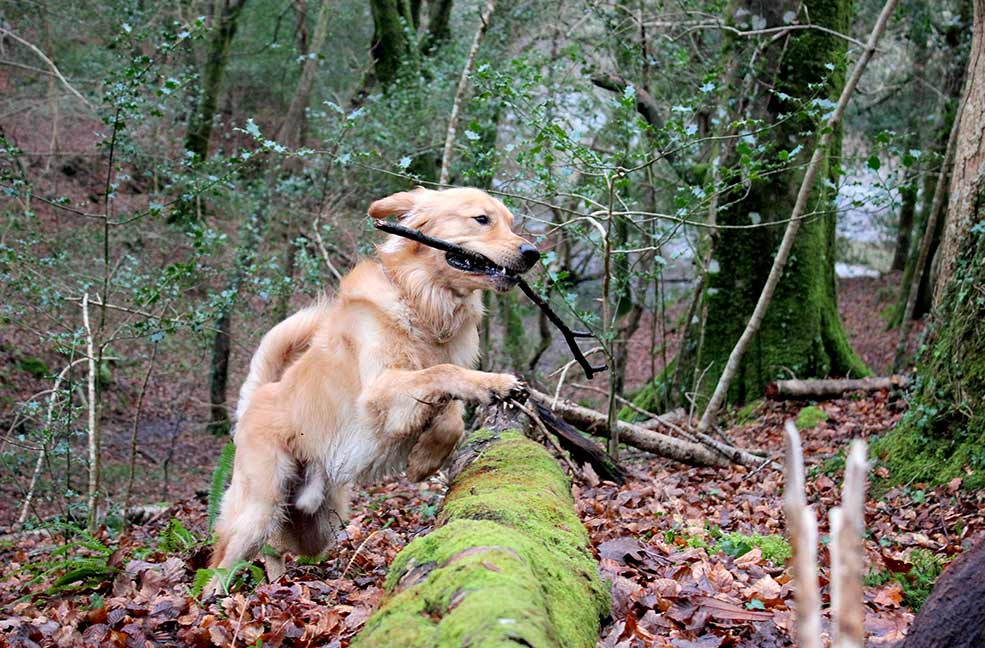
581	448
703	453
832	387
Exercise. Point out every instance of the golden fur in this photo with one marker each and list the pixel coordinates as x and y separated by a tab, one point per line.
369	384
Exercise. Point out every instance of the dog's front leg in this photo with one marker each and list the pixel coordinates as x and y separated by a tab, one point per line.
404	403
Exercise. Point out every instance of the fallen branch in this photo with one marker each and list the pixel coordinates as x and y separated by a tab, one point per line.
793	226
508	562
581	448
832	388
704	453
570	336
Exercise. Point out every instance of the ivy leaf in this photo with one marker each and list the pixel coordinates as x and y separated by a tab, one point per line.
873	162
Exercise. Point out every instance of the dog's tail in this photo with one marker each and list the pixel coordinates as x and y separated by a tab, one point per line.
278	349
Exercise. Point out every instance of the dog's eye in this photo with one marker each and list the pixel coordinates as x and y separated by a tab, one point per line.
482	219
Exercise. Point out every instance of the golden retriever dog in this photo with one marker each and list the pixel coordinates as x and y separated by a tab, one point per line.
370	383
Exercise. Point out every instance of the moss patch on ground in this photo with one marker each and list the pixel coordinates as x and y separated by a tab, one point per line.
508	564
810	417
775	548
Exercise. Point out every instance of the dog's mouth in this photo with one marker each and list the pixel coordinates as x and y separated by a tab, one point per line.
477	265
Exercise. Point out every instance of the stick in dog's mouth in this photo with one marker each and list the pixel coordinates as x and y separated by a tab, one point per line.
468	260
481	266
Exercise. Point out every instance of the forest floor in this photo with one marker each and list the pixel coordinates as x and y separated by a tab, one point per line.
695	555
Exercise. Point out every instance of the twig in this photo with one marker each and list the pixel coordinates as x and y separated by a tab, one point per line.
324	252
42	455
570	336
803	537
548	436
93	499
847	524
133	433
50	64
790	235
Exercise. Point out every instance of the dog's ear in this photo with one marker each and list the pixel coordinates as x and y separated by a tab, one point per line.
398	204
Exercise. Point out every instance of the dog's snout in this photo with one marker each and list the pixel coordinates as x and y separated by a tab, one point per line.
529	254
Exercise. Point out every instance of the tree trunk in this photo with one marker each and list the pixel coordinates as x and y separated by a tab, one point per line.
508	562
439	26
291	132
291	135
251	235
942	436
394	41
951	88
802	331
908	209
200	125
964	208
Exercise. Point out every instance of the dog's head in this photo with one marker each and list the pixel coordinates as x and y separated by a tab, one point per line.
468	217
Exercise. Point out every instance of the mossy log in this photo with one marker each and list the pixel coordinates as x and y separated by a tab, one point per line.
507	564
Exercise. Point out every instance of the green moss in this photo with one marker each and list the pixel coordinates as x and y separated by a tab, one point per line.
942	435
509	563
34	366
775	548
749	411
810	417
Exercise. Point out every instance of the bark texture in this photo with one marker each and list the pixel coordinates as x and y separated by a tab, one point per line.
953	616
942	436
508	563
802	331
964	208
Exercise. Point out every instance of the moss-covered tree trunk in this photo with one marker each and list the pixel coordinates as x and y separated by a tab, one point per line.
200	125
942	436
507	564
394	38
802	333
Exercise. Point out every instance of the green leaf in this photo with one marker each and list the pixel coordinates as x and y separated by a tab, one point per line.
873	162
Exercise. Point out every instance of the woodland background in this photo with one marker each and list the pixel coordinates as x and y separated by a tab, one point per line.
175	178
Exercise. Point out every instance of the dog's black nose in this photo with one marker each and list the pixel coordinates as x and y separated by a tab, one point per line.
529	254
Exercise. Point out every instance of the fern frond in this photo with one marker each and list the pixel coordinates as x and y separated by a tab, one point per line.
176	538
220	478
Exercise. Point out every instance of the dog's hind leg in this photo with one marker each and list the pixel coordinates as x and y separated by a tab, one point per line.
253	507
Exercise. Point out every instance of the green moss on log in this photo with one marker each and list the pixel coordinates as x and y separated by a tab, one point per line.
508	564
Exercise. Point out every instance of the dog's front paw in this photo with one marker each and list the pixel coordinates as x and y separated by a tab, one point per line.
507	387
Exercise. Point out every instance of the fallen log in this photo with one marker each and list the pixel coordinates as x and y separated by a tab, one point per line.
707	452
508	563
831	387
